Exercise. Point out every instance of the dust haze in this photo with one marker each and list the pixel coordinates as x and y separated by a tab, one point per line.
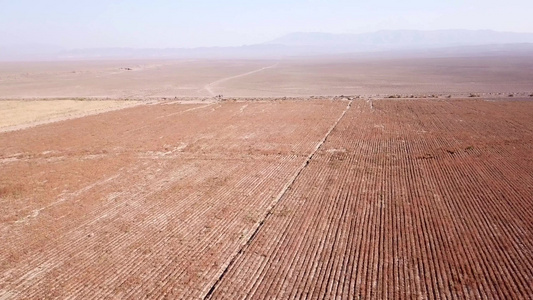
392	164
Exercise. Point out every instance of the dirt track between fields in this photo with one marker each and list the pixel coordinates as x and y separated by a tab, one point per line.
153	192
406	199
422	198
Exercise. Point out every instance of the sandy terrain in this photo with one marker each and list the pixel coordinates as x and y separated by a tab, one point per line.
266	78
17	114
381	76
118	79
324	199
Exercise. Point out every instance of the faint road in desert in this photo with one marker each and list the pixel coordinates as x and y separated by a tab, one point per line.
209	87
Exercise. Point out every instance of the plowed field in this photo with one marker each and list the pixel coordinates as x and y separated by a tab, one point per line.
146	201
272	199
406	199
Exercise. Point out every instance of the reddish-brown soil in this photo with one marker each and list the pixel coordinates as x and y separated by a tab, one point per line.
314	199
406	199
146	201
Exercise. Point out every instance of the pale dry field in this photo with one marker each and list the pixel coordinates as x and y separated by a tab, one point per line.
457	76
17	114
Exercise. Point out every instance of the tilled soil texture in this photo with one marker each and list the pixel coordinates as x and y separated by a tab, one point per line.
423	199
149	201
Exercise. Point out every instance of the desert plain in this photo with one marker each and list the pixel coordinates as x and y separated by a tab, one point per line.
304	178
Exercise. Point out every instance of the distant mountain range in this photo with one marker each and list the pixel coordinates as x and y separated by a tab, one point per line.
403	39
451	42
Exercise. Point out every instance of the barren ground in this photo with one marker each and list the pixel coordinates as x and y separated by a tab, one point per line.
18	114
117	79
141	183
266	78
272	199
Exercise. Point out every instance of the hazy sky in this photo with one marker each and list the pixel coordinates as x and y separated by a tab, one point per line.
193	23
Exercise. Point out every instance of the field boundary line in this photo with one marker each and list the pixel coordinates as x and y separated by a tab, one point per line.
259	225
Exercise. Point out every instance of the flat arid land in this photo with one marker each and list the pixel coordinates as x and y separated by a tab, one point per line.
133	180
314	76
17	114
